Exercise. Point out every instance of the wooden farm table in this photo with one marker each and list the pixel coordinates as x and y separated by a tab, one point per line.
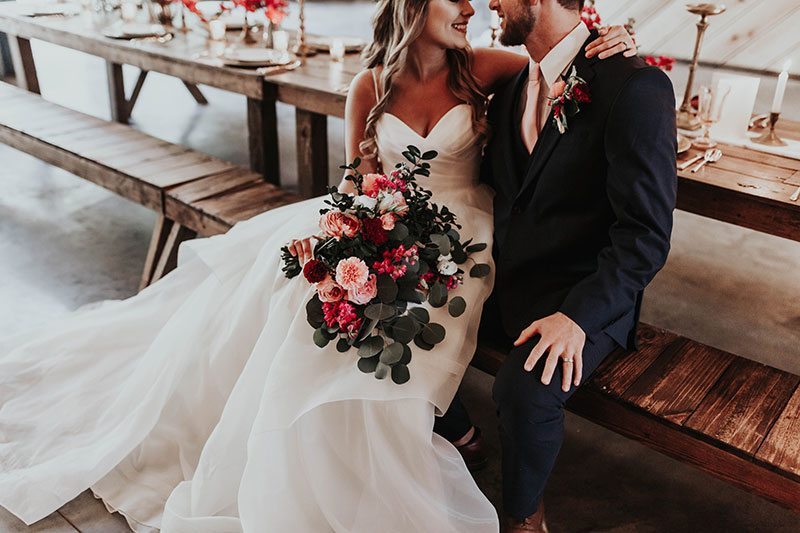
181	57
748	188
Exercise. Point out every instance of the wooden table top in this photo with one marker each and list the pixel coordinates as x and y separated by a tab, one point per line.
182	57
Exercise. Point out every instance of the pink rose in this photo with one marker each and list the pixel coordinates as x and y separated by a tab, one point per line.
388	221
366	292
337	224
372	184
352	273
330	291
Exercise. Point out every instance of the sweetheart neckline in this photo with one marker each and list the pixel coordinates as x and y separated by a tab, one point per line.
430	132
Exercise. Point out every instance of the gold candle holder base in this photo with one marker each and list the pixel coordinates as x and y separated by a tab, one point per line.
770	138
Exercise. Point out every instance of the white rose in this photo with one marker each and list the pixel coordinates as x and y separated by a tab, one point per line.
446	266
365	201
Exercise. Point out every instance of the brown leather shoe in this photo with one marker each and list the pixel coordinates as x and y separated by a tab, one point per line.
473	452
534	522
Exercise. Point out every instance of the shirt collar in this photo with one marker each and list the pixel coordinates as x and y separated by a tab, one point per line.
561	55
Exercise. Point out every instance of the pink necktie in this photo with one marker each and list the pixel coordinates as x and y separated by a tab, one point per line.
530	116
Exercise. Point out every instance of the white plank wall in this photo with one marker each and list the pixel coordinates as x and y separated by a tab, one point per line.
754	34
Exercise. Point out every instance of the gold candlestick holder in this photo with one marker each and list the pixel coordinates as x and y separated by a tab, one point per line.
770	138
301	48
686	118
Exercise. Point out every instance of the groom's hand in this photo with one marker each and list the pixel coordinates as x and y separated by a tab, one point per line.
563	339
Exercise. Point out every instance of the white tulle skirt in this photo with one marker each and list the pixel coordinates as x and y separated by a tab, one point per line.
202	405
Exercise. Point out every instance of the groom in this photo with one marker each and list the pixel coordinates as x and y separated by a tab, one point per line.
583	215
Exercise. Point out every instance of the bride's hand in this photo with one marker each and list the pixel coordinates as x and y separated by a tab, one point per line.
613	40
302	249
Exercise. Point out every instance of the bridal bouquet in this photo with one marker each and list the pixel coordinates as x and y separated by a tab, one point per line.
383	251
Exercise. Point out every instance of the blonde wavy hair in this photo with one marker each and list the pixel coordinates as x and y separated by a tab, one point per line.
397	24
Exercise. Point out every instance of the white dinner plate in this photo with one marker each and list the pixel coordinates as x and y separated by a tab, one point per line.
132	30
255	57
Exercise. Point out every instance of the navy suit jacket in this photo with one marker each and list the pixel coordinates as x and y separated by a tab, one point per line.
586	225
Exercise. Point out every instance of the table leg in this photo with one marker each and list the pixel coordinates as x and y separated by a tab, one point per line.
116	93
312	153
194	90
24	66
262	130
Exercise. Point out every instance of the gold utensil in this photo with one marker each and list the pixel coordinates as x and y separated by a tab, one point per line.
711	156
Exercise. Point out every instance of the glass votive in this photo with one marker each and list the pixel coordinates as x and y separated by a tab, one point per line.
280	41
337	50
129	10
216	30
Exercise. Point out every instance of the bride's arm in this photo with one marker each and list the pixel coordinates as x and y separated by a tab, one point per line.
493	67
360	100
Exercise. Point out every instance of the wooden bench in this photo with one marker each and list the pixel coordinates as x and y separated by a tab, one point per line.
138	167
731	417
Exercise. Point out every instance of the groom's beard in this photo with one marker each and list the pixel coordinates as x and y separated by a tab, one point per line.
518	27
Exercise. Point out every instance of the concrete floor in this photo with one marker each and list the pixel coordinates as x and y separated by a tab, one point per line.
64	243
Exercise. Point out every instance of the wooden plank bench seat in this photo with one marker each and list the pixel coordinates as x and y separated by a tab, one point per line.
138	167
729	416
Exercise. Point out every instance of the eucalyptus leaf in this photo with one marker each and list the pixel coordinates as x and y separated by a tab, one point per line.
458	255
392	353
399	232
420	342
457	306
478	247
314	312
430	154
404	329
387	289
320	338
480	270
382	370
368	329
437	296
371	346
441	242
406	355
453	234
411	294
421	314
342	345
433	333
400	374
379	311
368	364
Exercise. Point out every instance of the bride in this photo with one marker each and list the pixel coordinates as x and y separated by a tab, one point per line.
202	405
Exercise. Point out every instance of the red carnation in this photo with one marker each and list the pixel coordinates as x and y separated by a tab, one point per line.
315	271
580	93
374	232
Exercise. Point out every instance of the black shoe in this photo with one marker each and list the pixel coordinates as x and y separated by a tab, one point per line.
473	452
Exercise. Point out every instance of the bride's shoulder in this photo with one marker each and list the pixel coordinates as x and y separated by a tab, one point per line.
363	89
492	66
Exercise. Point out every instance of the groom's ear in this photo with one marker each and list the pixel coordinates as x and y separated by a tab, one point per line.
571	5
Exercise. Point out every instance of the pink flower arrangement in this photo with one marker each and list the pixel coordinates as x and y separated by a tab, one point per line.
385	249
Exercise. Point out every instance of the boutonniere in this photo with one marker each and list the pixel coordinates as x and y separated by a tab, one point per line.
566	96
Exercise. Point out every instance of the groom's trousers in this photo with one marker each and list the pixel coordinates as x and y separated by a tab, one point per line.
531	416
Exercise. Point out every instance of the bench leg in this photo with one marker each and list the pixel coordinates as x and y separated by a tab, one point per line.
24	66
262	130
116	93
194	90
157	242
168	259
312	153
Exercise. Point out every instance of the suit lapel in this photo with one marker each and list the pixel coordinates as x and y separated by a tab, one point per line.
549	137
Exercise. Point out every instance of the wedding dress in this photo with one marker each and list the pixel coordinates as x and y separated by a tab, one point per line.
202	405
